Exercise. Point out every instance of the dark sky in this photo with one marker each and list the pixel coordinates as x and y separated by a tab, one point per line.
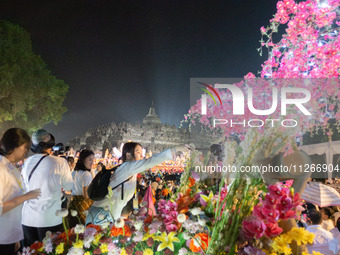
119	56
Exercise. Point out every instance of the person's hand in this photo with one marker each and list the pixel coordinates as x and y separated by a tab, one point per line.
17	246
33	194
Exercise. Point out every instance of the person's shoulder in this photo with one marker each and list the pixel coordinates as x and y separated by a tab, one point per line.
57	160
335	231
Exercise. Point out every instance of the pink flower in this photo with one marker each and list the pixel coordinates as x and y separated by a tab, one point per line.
285	203
171	228
287	215
253	227
250	75
270	200
266	213
272	230
277	190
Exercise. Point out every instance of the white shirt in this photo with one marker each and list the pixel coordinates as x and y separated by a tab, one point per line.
336	234
324	241
125	171
10	222
80	179
327	224
52	174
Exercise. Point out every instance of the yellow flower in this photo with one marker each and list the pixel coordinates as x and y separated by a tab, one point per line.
207	198
59	249
166	241
79	244
269	252
96	239
104	248
123	252
316	253
147	235
300	235
148	251
87	253
280	245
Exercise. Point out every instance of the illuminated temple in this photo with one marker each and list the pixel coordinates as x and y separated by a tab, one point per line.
150	132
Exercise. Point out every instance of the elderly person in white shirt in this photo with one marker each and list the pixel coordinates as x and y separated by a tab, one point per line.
133	163
51	174
13	147
324	241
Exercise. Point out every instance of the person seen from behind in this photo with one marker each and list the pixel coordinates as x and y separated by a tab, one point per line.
324	241
50	174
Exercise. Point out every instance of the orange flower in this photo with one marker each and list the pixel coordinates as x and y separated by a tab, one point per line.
192	182
36	246
165	192
202	240
148	219
94	226
119	231
183	202
63	235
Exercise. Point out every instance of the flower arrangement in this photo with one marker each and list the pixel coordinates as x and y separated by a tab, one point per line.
197	222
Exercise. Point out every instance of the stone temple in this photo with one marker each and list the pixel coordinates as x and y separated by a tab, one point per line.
150	133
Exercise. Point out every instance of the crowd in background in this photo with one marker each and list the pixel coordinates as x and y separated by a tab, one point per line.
31	197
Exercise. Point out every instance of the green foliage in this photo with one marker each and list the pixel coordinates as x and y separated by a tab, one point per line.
30	96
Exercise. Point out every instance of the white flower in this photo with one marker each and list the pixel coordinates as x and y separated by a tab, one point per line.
75	251
48	234
79	229
74	213
181	218
202	222
88	242
197	242
62	213
101	217
138	237
196	211
86	212
182	251
138	224
186	235
105	224
119	223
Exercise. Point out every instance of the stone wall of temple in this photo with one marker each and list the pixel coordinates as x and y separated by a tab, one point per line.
150	133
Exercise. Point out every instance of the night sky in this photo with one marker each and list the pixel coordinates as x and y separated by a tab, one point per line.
119	56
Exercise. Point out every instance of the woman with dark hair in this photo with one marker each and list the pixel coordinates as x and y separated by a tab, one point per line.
82	178
327	215
123	181
13	147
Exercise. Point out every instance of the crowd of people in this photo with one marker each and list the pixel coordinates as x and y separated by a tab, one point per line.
31	197
324	223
